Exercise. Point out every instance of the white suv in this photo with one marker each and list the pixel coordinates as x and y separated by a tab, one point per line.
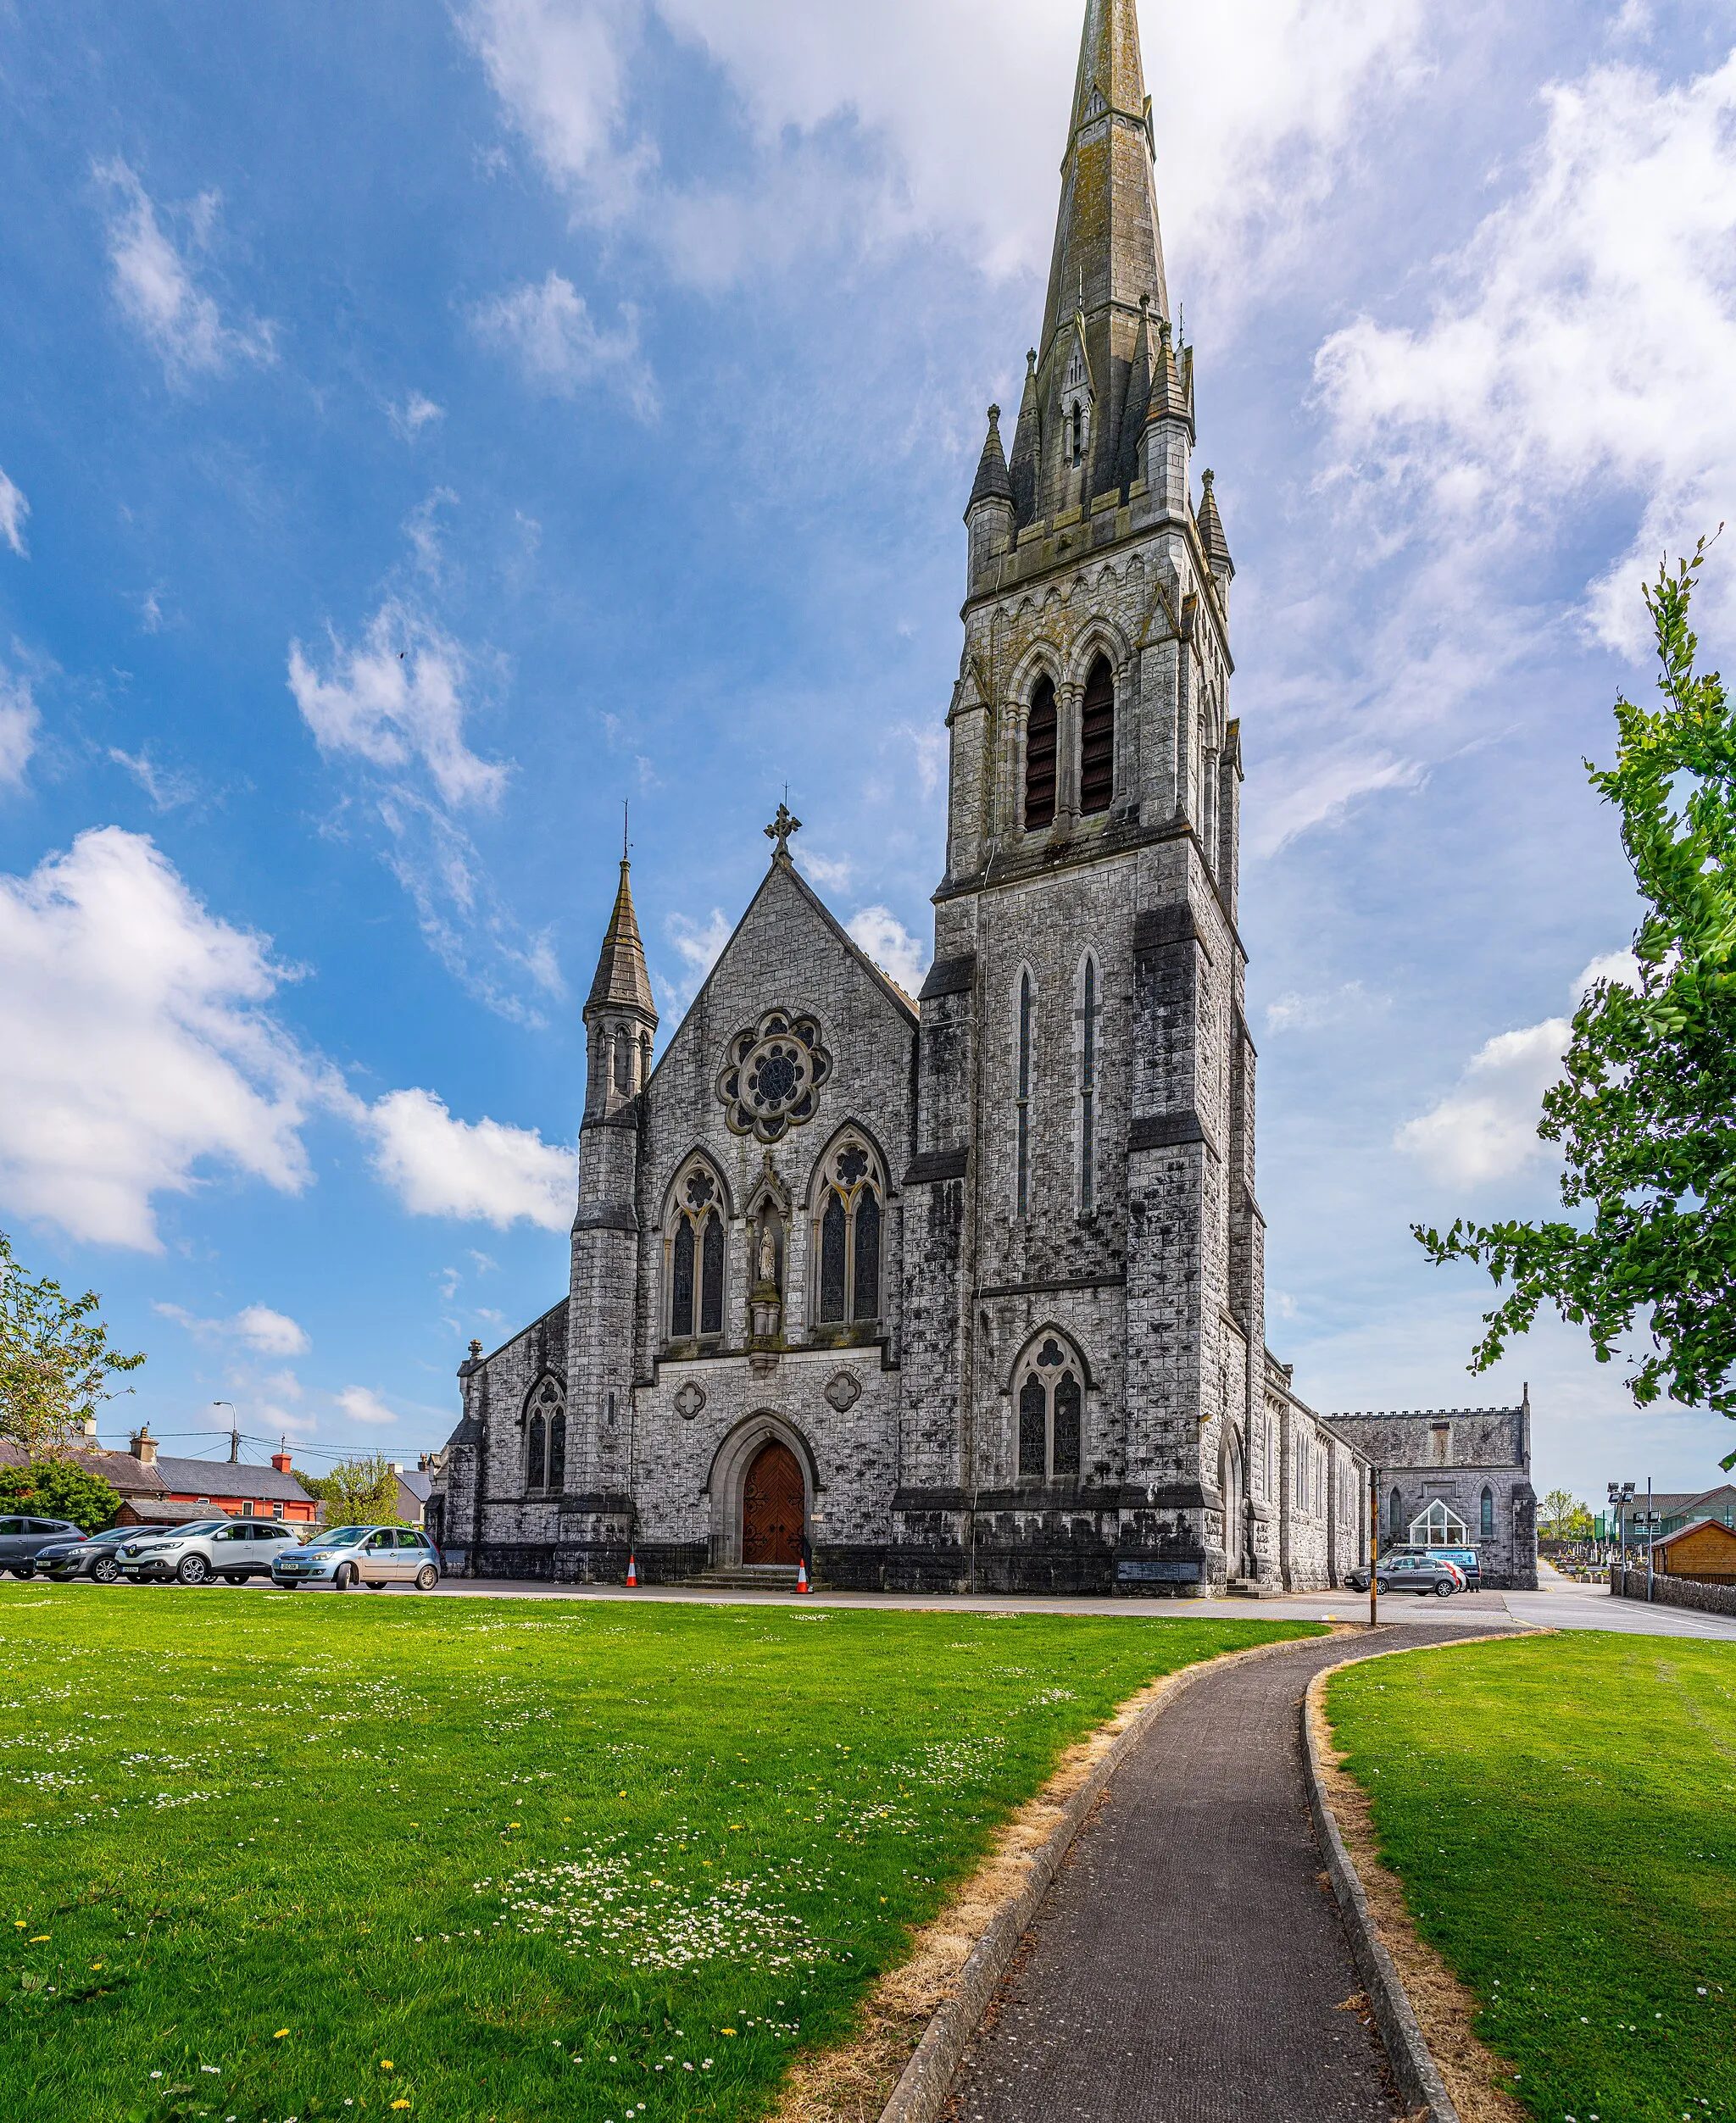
233	1549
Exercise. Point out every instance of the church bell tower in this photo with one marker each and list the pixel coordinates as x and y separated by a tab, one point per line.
1084	1361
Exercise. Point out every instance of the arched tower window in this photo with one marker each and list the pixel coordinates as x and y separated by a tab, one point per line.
1049	1400
1088	1008
1395	1519
545	1438
1021	1189
1078	432
1097	740
623	1058
1040	728
1486	1523
693	1251
847	1234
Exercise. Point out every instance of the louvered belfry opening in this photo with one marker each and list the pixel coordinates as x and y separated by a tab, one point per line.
1097	740
1040	758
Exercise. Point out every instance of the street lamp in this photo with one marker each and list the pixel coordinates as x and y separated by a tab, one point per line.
1621	1494
234	1431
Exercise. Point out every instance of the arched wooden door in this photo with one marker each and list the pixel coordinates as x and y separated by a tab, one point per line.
774	1507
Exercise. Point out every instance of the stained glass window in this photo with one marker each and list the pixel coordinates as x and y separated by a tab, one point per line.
834	1238
867	1251
1067	1400
681	1311
535	1451
1087	1095
711	1276
1023	1103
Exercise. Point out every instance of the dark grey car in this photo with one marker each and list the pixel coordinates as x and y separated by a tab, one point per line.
1407	1574
96	1558
23	1539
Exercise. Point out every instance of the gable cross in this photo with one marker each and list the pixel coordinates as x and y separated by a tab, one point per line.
780	829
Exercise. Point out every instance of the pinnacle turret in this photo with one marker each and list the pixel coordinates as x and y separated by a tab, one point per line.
994	482
1211	532
622	982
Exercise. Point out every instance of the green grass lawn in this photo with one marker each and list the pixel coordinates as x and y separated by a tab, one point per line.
1562	1813
266	1855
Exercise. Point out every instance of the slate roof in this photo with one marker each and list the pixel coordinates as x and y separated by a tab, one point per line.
621	981
180	1477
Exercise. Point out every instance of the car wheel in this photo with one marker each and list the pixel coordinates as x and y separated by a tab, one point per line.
105	1569
1445	1589
23	1570
427	1578
193	1570
346	1576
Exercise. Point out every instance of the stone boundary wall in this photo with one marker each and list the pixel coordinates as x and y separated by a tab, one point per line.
1673	1591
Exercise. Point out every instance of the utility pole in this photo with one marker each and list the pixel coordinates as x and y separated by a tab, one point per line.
234	1432
1650	1535
1373	1547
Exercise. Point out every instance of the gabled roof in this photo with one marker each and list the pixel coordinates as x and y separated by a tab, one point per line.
1697	1525
183	1477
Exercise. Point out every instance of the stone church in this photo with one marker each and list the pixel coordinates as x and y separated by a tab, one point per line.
967	1290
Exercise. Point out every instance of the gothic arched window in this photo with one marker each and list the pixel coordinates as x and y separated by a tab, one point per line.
847	1234
1089	1008
1040	742
694	1252
623	1058
1486	1528
1097	740
545	1437
1395	1519
1049	1397
1022	1100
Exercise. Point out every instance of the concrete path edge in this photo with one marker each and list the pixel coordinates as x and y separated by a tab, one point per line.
923	2089
1419	2081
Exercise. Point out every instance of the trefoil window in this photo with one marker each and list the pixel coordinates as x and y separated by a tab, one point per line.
1049	1398
694	1242
545	1438
849	1221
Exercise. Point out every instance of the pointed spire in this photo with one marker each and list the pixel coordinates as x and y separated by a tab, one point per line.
1211	530
1107	248
1027	446
994	482
621	981
1172	399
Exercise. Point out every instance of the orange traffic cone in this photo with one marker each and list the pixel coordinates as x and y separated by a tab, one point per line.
802	1584
633	1571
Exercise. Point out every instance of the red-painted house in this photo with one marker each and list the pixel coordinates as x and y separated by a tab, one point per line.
156	1491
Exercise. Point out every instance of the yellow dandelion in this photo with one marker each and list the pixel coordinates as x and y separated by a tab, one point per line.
280	2033
400	2104
386	2064
41	1939
726	2030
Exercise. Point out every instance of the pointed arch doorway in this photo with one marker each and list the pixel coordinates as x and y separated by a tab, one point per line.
774	1506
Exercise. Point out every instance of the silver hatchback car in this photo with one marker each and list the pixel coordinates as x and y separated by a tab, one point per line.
371	1555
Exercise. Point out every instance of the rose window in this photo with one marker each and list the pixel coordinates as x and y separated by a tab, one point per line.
770	1082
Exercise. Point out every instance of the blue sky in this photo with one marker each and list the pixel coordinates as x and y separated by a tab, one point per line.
424	428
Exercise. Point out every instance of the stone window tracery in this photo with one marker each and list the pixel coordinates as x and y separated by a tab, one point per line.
694	1245
848	1234
545	1438
1049	1403
770	1082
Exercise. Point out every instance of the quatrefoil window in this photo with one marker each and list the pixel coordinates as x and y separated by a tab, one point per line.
771	1078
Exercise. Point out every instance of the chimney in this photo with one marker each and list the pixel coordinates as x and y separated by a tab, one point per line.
144	1447
90	1430
281	1461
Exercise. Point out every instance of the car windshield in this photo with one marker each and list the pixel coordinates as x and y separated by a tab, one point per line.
343	1536
189	1532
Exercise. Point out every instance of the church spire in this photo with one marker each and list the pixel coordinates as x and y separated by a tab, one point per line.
622	982
1107	248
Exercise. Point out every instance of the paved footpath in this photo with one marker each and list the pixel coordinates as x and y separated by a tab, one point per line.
1189	1965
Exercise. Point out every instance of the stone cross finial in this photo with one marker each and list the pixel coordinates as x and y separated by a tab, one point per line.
780	829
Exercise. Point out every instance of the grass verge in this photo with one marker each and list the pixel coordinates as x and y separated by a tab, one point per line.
1561	1812
270	1856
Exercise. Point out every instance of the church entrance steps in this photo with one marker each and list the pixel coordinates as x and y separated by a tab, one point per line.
747	1577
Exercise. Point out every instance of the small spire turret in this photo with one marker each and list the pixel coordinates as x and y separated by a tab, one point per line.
990	513
619	1015
1211	534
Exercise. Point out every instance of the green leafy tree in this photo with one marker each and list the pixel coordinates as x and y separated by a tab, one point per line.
356	1492
55	1360
1645	1112
61	1489
1564	1517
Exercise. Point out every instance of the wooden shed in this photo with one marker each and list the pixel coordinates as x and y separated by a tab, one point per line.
1705	1551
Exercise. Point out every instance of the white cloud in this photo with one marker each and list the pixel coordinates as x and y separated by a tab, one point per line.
1620	967
155	288
829	873
549	327
18	721
409	418
1486	1127
398	696
362	1405
699	948
139	1050
1582	345
891	946
497	1175
873	125
257	1327
1294	1011
166	788
929	750
13	509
